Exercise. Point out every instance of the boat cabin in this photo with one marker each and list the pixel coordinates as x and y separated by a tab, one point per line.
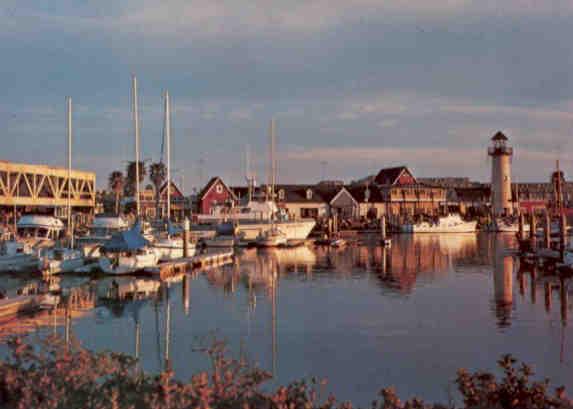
39	227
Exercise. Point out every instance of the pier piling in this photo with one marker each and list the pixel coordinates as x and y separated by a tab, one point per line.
532	228
186	228
547	231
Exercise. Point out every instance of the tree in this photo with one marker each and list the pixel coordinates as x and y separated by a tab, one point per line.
116	183
130	180
157	174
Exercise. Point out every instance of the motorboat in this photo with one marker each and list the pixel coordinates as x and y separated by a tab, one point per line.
34	233
273	237
127	252
452	223
59	260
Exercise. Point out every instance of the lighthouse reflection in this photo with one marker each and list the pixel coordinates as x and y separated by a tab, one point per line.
503	270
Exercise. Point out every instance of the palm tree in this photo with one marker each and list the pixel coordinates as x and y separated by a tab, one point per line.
130	179
116	183
157	174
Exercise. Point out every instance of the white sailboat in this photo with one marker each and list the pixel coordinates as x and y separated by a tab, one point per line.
64	259
170	247
274	236
128	251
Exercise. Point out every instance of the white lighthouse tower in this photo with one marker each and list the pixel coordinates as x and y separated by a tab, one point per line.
500	154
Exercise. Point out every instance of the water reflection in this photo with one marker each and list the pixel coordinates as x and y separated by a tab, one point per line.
325	311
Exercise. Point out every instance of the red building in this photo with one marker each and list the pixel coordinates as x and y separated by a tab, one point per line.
215	193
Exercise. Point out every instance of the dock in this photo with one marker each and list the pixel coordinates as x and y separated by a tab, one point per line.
14	306
180	266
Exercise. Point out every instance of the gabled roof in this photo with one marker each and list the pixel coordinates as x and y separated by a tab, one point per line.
210	185
174	189
389	176
358	192
341	191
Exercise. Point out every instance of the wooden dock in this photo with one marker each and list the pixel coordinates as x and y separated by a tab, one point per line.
14	306
180	266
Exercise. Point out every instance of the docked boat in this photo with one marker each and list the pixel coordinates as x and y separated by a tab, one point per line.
59	260
170	248
34	233
100	232
127	252
255	217
452	223
504	225
273	237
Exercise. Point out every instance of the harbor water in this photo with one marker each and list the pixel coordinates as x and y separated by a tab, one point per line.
362	317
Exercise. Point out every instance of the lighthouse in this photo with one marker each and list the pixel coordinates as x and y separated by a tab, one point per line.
500	154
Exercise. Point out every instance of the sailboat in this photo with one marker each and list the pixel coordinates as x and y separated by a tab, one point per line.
128	251
274	236
171	246
64	259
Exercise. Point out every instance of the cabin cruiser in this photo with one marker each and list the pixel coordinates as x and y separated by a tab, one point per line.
100	231
451	223
127	252
34	232
255	218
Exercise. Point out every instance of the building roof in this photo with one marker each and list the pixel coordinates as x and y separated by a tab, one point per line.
297	193
212	183
358	192
389	176
499	136
175	191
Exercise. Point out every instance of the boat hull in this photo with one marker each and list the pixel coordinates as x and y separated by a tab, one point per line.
293	230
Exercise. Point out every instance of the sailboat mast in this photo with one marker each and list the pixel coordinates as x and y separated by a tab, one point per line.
69	129
273	159
135	112
168	149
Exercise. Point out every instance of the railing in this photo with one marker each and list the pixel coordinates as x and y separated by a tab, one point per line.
499	150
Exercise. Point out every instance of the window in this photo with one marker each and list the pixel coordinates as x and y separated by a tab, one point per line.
219	188
308	194
281	194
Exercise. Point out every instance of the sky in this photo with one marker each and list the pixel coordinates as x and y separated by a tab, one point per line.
354	86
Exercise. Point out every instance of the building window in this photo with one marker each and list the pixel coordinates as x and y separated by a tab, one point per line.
281	194
308	194
219	189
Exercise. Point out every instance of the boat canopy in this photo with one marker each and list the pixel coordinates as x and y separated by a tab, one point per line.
127	240
40	222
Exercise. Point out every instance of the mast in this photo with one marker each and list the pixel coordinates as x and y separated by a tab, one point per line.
167	125
136	130
69	129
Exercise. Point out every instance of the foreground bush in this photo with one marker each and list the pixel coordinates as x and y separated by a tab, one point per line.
60	376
